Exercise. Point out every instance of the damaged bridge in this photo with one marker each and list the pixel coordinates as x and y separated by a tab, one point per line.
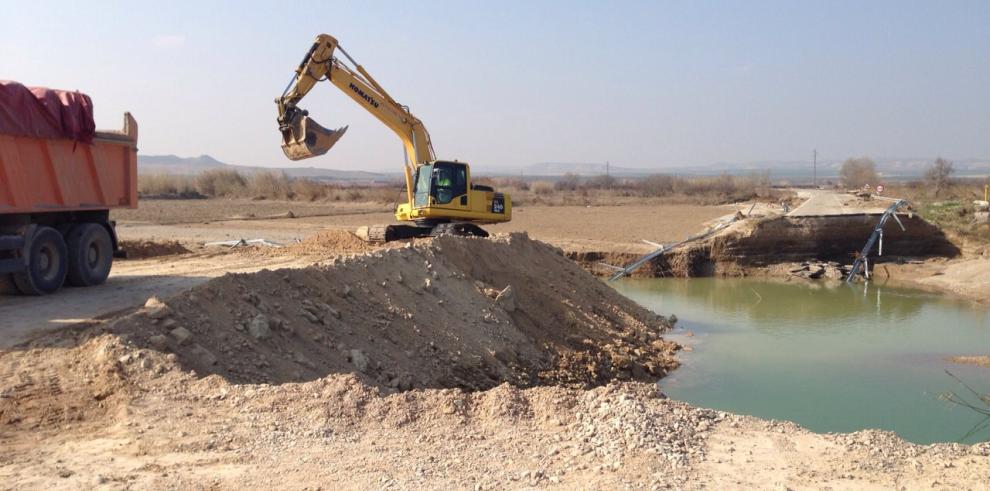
834	226
829	226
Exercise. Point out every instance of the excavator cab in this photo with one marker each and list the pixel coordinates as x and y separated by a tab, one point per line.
441	183
302	137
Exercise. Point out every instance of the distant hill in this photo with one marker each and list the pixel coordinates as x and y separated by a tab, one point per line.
173	164
796	170
889	168
581	168
190	166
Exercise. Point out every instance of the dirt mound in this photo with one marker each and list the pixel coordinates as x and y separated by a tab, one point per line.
144	249
450	312
325	244
333	240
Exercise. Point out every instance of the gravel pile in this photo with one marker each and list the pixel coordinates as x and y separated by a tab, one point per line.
624	420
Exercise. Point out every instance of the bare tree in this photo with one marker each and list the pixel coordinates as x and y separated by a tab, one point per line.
855	172
938	174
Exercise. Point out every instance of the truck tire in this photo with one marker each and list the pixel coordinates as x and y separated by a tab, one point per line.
49	263
90	254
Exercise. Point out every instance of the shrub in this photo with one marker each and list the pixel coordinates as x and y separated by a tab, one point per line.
221	183
542	188
569	182
938	175
601	182
270	185
658	185
308	189
857	172
166	185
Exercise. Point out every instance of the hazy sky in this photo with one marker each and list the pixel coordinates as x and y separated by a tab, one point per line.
504	84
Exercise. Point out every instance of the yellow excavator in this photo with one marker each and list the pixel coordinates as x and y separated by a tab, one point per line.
440	197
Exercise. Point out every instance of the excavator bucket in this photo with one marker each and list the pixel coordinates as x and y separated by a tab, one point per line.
304	138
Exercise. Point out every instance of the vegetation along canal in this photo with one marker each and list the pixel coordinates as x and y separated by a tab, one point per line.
834	358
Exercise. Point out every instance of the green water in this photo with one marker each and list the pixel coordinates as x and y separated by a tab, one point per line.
833	359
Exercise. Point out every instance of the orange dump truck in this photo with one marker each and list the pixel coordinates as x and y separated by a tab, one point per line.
59	179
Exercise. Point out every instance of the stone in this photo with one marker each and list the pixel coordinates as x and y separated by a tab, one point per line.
506	299
259	327
156	308
360	360
202	354
181	335
158	342
302	360
311	316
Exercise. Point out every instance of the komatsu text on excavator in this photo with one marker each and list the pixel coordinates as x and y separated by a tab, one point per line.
440	197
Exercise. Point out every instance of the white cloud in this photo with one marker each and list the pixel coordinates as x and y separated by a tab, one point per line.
169	41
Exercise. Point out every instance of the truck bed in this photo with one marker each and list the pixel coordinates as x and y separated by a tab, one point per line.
39	175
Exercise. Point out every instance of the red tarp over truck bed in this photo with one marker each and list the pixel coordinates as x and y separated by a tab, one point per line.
45	113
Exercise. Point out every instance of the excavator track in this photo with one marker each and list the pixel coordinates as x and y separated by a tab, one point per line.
379	234
459	229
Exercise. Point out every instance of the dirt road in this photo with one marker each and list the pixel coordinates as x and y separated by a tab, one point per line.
826	202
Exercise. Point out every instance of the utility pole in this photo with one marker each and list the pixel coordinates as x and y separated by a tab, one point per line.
606	168
814	168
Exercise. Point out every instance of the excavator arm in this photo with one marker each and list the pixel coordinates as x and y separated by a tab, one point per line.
303	138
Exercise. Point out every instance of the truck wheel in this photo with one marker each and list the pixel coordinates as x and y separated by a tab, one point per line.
90	255
48	265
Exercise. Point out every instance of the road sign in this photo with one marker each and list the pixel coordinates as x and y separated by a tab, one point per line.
866	187
879	188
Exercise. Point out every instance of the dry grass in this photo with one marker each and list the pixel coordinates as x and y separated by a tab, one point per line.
951	209
227	183
167	185
571	189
